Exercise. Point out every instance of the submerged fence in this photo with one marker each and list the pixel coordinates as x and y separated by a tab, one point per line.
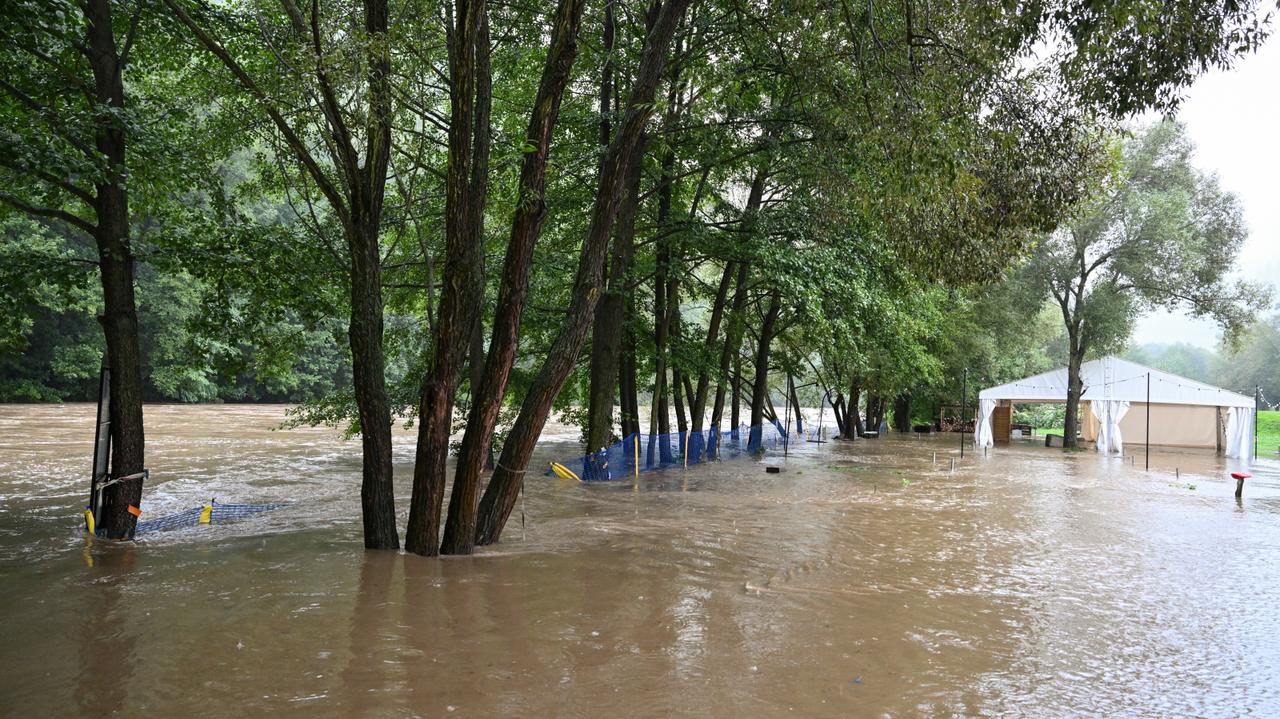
212	513
637	453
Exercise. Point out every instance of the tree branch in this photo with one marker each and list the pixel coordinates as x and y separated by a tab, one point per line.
291	138
49	212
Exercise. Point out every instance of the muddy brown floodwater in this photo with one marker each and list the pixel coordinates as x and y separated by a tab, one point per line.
863	580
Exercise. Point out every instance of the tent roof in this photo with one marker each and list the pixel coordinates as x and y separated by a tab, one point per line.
1118	379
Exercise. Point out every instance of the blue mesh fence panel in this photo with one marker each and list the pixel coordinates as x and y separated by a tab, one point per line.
191	517
638	453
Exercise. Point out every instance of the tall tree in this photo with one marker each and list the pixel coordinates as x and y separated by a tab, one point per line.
504	487
526	224
1160	234
352	111
63	158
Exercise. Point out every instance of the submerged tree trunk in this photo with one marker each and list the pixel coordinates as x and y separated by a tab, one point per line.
466	185
630	409
356	198
1075	388
902	413
526	225
838	409
795	404
853	419
698	400
760	387
377	490
504	488
116	266
730	352
606	332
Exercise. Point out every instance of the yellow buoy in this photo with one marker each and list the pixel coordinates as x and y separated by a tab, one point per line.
88	521
206	514
563	472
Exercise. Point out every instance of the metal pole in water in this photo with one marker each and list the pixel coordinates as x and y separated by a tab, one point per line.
1257	392
964	398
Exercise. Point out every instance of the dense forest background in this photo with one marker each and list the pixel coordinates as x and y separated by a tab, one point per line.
54	347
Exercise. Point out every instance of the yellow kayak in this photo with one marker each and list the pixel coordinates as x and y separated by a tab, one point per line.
563	472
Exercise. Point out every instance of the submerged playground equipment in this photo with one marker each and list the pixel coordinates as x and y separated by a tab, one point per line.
1124	401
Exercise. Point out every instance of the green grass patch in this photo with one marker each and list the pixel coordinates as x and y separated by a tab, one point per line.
1268	433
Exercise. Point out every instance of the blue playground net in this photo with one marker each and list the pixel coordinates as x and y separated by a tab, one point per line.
218	513
637	453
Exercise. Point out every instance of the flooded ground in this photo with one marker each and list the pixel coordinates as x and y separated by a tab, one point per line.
866	579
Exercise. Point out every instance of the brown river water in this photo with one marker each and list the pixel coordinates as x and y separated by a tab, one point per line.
864	580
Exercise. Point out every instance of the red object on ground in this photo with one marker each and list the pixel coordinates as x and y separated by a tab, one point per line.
1241	475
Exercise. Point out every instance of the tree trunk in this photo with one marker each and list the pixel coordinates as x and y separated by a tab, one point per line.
795	404
729	353
116	266
526	225
700	394
466	185
606	331
853	419
760	387
364	331
902	413
735	390
504	488
660	413
838	409
1075	388
627	373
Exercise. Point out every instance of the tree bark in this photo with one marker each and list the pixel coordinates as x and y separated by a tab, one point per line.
902	413
504	488
1075	388
526	225
795	404
466	186
606	332
358	202
700	394
760	387
853	418
116	267
729	353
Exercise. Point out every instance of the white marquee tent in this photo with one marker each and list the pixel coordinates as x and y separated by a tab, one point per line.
1183	412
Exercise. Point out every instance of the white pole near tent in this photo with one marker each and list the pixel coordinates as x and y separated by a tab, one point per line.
1148	437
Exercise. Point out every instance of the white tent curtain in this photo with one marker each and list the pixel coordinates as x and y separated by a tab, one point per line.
982	434
1240	433
1109	414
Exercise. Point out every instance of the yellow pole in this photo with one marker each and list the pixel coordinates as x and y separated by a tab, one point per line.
686	449
635	445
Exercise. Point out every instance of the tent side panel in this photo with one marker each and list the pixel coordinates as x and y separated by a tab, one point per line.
1172	425
1002	423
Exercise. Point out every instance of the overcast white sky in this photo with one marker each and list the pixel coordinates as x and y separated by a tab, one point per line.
1232	117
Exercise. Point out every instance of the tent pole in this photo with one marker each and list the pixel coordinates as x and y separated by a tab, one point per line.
1257	392
964	399
1148	442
